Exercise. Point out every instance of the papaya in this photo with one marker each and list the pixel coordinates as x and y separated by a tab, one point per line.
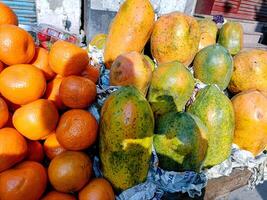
231	37
130	29
250	71
171	87
126	137
251	120
180	142
175	37
216	111
99	41
208	33
150	62
131	69
214	65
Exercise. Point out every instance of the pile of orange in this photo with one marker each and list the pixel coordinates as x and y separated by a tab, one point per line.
45	128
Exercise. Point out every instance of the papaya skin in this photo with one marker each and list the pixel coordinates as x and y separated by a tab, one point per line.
250	71
126	137
216	111
208	30
131	69
231	37
175	37
130	29
214	65
251	120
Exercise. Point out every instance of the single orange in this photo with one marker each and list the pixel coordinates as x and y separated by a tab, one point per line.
51	146
3	112
37	119
7	15
70	171
77	92
35	151
77	130
13	148
67	59
97	189
91	72
1	66
26	180
22	84
40	60
16	45
54	195
52	92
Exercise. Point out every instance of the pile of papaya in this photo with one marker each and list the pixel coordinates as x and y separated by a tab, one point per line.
157	64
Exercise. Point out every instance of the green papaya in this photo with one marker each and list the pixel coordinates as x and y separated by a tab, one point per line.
216	111
180	142
171	87
126	137
214	65
231	37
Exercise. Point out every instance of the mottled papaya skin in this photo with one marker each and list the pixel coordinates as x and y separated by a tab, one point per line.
231	37
150	62
126	137
175	37
251	120
250	71
215	110
171	87
130	29
214	65
180	142
208	33
99	41
131	69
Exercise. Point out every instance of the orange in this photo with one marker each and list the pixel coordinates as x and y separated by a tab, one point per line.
54	195
26	181
67	59
35	151
1	66
9	121
7	15
51	146
13	148
77	92
22	84
3	112
91	72
70	171
37	119
97	189
52	92
16	45
77	130
40	60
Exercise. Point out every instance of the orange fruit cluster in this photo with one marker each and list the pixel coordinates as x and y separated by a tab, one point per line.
45	128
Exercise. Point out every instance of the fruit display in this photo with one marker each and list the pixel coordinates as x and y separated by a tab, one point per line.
155	101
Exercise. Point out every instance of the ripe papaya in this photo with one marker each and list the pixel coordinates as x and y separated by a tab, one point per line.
208	33
250	71
251	120
126	137
131	69
214	65
216	111
175	37
231	37
171	87
180	142
130	29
